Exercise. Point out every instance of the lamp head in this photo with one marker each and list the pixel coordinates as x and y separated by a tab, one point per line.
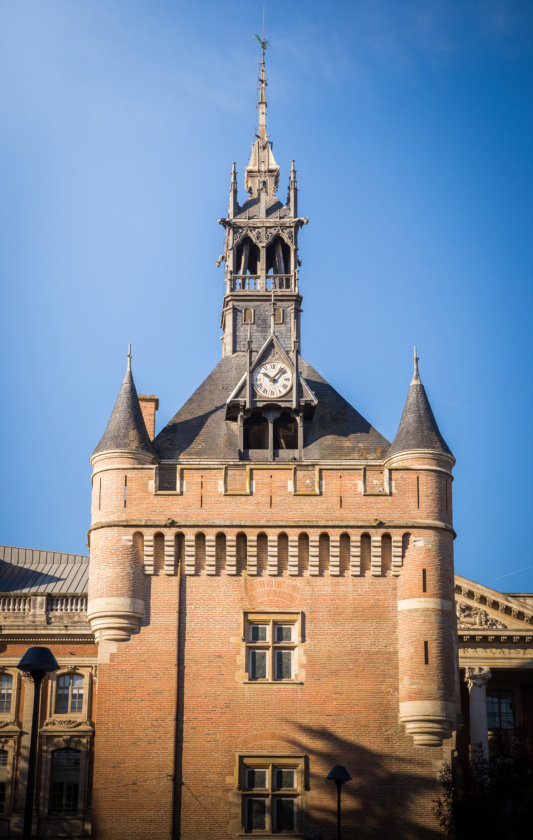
339	774
38	659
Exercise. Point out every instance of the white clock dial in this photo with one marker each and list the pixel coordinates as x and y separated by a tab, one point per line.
272	379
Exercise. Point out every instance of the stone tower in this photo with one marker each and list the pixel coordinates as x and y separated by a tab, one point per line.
261	251
271	581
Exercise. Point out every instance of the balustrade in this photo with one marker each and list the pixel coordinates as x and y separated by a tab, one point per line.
255	282
14	604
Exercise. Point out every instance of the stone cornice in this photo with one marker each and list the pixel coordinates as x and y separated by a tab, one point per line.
41	636
300	524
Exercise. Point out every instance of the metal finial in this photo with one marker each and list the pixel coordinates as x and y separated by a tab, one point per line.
416	377
129	356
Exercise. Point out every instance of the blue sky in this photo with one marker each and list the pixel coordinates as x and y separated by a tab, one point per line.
411	125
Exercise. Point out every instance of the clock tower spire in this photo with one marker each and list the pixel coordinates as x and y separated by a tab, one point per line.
261	249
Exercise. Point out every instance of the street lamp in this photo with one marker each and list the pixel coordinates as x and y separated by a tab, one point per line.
37	662
339	775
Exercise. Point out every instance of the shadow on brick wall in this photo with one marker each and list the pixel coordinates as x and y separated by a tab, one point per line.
389	796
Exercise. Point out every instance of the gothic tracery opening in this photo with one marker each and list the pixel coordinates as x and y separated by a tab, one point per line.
247	257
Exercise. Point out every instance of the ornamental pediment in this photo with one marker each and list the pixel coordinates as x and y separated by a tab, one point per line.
482	609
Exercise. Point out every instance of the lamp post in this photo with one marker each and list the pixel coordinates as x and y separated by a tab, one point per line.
37	662
339	775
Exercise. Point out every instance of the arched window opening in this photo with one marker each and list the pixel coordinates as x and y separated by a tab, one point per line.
69	694
278	257
406	539
366	553
303	552
199	552
323	553
6	693
220	552
247	257
262	553
241	550
159	553
64	782
386	554
344	554
283	553
256	432
285	431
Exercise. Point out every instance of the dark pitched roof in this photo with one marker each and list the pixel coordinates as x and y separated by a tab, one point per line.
199	429
32	570
126	429
418	428
274	209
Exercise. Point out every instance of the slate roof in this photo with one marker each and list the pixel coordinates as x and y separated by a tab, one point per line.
200	431
31	570
126	429
251	209
418	428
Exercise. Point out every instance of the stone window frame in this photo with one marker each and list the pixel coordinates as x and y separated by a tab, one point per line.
84	671
14	673
9	743
246	761
62	741
272	618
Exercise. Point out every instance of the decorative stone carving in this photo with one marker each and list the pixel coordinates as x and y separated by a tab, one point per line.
65	723
477	677
9	724
469	616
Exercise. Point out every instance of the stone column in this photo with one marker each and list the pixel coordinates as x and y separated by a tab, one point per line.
477	679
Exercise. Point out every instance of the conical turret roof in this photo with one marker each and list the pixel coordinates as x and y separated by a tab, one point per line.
418	428
126	429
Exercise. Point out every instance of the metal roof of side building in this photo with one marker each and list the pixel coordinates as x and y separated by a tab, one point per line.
33	570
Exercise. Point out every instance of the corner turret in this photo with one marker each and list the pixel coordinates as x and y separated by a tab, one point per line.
126	430
123	462
421	467
418	431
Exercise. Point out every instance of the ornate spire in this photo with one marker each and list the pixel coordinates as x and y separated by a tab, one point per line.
233	205
262	172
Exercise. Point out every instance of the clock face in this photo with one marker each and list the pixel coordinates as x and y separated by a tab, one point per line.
272	379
